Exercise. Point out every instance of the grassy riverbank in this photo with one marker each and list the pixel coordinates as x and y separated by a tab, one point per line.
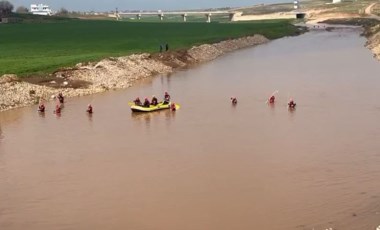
41	48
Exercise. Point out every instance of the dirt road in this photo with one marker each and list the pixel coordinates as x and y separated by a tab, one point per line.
368	11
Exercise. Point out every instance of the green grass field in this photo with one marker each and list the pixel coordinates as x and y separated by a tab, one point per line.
40	48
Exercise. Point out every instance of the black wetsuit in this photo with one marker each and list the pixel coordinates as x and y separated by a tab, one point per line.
292	104
41	108
137	102
61	99
154	101
146	103
167	99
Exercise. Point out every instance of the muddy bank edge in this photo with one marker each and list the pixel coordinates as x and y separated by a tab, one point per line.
373	35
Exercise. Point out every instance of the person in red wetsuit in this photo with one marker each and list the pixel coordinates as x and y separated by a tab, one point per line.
272	99
291	103
173	107
233	100
57	109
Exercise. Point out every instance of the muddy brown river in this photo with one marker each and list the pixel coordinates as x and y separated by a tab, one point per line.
209	165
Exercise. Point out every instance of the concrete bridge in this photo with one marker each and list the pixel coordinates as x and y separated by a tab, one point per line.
184	14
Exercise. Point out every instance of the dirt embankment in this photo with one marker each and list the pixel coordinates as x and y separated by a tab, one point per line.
371	31
364	17
373	35
110	73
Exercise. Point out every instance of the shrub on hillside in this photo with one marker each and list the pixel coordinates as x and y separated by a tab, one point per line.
62	12
22	10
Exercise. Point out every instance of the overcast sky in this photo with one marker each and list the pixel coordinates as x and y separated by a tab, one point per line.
107	5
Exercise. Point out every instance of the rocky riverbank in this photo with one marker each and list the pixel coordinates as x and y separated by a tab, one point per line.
110	73
373	35
371	31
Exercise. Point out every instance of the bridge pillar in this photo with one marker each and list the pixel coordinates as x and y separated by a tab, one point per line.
161	17
184	17
234	15
138	16
117	16
208	18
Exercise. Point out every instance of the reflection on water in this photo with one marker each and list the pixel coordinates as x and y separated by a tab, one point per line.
291	109
147	118
272	105
10	117
41	114
89	115
209	165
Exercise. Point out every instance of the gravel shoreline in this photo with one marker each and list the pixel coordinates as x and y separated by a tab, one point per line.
373	43
111	73
371	30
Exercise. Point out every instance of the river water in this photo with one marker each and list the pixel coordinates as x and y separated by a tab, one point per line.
209	165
